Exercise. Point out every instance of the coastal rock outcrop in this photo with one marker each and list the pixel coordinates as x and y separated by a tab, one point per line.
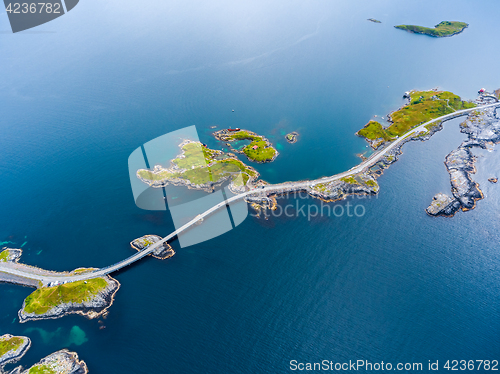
443	204
162	252
482	127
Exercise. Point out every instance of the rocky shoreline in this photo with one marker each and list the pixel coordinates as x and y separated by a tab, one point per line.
162	252
93	308
482	127
14	355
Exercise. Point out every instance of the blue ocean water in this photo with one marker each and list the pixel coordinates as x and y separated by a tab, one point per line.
81	93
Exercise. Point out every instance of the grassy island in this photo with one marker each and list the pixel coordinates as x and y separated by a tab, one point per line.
46	298
198	165
259	149
292	137
422	107
445	28
10	343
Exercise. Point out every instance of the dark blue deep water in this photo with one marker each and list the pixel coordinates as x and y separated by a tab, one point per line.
79	94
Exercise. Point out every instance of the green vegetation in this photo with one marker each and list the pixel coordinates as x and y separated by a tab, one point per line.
445	28
424	106
349	180
11	344
4	255
320	187
200	165
374	20
82	270
374	130
41	369
263	151
44	299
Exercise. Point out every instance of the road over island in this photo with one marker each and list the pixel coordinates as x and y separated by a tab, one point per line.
20	270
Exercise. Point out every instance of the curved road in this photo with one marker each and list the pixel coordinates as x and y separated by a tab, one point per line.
10	268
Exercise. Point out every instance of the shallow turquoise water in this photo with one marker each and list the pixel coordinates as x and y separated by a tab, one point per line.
393	285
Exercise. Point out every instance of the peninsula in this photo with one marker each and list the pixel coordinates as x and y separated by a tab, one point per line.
443	29
422	106
259	150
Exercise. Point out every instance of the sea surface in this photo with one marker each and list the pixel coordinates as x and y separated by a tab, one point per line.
79	94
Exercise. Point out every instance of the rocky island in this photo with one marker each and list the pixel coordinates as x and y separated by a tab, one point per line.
12	349
292	137
61	362
162	252
201	168
259	150
443	29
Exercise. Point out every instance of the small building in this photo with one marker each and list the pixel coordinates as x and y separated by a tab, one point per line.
255	147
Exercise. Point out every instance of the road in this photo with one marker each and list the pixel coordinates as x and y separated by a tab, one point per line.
27	272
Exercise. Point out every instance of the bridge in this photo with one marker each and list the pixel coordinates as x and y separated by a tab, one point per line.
30	273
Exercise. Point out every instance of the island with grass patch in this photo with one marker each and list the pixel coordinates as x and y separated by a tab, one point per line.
259	150
443	29
12	349
292	137
162	252
201	168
